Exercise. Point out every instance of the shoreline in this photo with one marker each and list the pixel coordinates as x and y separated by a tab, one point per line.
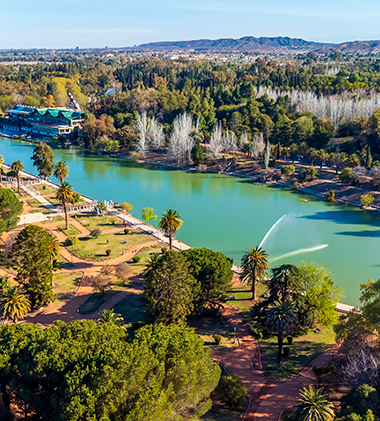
179	245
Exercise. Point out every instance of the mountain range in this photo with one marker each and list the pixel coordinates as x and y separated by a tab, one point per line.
261	45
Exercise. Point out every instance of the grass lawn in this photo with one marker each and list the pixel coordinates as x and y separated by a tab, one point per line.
45	189
222	413
144	254
70	231
302	350
53	200
96	300
63	263
132	308
207	327
243	302
103	222
66	285
94	249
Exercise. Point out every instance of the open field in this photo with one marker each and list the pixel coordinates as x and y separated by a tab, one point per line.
65	285
103	222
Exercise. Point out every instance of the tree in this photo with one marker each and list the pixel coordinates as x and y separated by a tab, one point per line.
170	289
109	316
367	200
287	170
311	172
213	271
231	391
14	304
197	154
10	209
43	159
254	264
17	166
65	195
330	196
170	223
32	257
95	232
125	207
102	283
362	401
61	170
282	320
90	368
314	406
346	175
284	285
148	214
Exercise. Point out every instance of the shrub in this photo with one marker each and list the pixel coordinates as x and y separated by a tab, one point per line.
366	200
346	175
231	391
95	232
108	252
285	351
296	186
217	339
287	170
290	340
113	221
330	196
126	231
70	241
302	176
44	187
136	259
324	371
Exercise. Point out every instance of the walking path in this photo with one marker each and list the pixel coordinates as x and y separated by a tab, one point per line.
267	398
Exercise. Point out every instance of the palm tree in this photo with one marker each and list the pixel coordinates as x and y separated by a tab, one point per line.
314	406
282	320
152	265
330	196
61	170
17	166
313	155
323	157
170	223
14	304
254	264
312	172
65	195
111	316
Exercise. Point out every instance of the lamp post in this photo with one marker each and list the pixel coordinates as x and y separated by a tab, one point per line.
78	314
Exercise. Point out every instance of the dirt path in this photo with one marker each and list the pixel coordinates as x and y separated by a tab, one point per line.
267	398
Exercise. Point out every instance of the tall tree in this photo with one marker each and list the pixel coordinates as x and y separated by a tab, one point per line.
61	170
10	209
148	214
14	304
65	195
43	159
314	406
32	258
284	284
213	271
281	319
17	166
170	289
254	265
170	223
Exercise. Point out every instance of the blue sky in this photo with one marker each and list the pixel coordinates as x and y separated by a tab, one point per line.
117	23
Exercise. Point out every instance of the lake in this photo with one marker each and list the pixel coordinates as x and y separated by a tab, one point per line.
229	214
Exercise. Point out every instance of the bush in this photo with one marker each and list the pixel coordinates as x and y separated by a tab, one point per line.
324	371
122	271
290	340
95	232
108	252
113	221
231	391
217	339
366	200
302	176
346	175
126	231
136	259
44	187
285	351
287	170
70	241
330	196
296	186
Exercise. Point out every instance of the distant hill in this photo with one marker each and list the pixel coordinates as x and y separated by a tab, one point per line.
260	45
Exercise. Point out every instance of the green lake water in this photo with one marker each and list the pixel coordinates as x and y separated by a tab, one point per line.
229	214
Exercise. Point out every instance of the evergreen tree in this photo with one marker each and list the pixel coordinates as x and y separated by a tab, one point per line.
43	159
10	209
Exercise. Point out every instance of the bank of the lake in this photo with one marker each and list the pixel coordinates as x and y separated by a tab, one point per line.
231	213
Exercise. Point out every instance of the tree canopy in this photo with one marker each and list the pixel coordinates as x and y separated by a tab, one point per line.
43	159
10	209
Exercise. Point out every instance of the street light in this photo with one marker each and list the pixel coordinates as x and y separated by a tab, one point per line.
78	314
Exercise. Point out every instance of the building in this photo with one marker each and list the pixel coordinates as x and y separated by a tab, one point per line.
42	121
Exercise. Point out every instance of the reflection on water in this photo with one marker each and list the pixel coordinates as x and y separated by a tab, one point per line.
230	214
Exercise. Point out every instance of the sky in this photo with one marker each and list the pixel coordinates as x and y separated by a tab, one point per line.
123	23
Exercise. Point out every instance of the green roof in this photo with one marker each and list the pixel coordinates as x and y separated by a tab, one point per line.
69	114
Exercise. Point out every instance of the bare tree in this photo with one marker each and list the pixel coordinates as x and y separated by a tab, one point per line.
156	134
258	146
142	130
181	139
216	142
363	368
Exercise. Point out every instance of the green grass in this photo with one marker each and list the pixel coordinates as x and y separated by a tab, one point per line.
53	200
144	254
103	222
302	350
207	327
70	231
96	300
222	413
243	303
34	203
46	190
66	285
132	308
94	249
63	263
